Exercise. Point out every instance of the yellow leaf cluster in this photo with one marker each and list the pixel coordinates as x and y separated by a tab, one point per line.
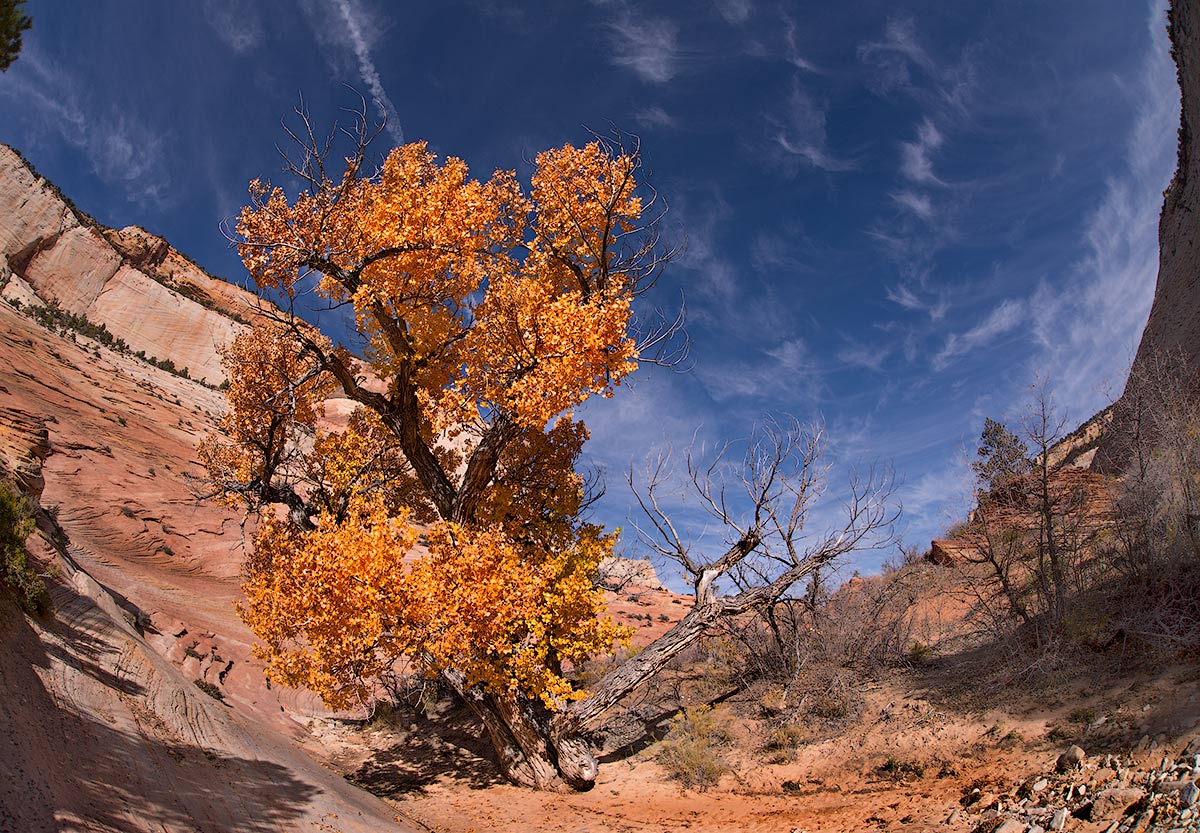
273	395
336	607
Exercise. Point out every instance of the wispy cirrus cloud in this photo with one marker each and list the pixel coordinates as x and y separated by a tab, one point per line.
916	163
734	11
888	59
648	46
799	134
904	296
899	62
854	353
792	53
1088	325
344	30
123	150
924	216
654	117
787	368
919	204
1004	318
237	23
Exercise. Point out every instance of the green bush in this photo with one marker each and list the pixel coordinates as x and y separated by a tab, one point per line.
691	751
919	653
210	689
1084	716
16	523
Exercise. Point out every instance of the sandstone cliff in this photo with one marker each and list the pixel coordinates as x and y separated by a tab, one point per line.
110	703
133	282
1174	322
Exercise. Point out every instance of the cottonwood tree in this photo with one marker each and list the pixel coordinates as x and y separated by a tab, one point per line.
443	524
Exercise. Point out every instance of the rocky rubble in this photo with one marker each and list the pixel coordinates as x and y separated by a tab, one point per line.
1146	791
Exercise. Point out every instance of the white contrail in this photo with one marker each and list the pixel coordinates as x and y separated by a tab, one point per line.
370	75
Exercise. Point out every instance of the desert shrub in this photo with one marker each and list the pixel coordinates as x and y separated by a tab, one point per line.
818	648
1058	734
783	740
919	653
900	770
692	750
1084	716
16	523
211	689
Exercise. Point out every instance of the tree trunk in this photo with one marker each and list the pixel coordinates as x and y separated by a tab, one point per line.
519	730
548	751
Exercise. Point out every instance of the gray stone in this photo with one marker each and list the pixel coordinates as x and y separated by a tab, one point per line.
1040	785
1071	759
1010	826
1189	794
1059	820
1113	802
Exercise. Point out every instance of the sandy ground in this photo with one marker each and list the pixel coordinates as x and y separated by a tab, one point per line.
437	772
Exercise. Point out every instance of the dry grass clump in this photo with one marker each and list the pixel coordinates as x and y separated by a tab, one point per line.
692	752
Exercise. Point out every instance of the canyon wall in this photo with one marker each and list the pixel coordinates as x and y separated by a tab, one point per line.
141	289
1174	322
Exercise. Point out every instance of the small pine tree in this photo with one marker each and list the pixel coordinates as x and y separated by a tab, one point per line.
1001	456
13	22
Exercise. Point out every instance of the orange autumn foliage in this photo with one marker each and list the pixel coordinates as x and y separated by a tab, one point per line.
506	302
270	403
442	524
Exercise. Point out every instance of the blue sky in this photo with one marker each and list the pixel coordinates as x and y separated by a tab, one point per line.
897	213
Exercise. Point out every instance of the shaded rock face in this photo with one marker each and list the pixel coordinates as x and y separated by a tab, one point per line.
24	446
133	282
1174	322
138	247
1014	506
